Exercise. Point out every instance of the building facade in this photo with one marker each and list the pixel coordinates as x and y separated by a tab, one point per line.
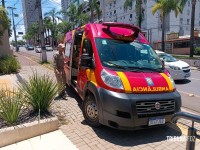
113	10
30	13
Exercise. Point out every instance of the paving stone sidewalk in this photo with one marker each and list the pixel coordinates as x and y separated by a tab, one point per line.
85	137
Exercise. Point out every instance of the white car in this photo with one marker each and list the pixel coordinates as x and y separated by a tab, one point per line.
38	49
48	48
178	69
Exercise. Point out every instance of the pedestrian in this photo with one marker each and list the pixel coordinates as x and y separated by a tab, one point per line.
58	64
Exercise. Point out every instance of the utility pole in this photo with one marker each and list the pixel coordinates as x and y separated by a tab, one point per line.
14	28
192	28
3	3
44	54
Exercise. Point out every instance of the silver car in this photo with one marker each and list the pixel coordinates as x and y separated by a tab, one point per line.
178	69
38	49
48	48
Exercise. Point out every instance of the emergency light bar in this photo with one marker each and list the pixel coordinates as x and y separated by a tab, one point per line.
132	37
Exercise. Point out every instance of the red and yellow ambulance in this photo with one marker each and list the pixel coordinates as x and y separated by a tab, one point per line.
119	77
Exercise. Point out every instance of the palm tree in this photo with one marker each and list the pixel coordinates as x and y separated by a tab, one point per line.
94	8
139	10
47	27
192	28
32	33
165	7
72	15
53	14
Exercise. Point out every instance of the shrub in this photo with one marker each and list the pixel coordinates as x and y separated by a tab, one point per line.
40	92
197	51
9	64
11	103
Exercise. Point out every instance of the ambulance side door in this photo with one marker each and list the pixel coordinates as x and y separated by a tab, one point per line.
67	62
82	76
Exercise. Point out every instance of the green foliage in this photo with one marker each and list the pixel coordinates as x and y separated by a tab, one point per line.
9	64
11	104
40	91
197	51
4	22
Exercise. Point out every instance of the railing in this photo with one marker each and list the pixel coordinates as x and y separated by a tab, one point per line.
192	132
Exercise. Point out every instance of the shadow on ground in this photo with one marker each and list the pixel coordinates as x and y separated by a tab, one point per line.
185	81
137	137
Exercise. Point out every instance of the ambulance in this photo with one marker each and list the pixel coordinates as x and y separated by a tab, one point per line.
119	77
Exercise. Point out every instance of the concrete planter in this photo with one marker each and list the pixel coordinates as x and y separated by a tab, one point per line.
25	131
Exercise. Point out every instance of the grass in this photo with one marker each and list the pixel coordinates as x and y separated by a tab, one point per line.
186	57
11	104
40	92
9	64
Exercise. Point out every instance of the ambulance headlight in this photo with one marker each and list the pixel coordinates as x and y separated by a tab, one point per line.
172	81
111	80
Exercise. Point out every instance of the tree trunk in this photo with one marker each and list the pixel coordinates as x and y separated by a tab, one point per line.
140	13
44	54
163	33
192	29
92	16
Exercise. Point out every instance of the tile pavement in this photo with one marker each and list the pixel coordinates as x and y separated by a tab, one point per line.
85	137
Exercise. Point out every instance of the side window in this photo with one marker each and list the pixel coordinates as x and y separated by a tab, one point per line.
87	47
67	49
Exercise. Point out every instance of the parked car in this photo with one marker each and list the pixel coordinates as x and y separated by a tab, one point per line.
178	69
30	47
38	49
48	48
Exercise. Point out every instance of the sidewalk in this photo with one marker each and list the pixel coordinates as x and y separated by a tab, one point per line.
84	137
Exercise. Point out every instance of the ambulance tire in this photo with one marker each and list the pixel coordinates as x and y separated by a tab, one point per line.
90	111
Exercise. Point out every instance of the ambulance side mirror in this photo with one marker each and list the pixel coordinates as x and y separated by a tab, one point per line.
86	61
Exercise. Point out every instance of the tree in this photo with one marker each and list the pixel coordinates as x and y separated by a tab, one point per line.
53	15
61	30
48	25
4	22
139	10
32	33
192	28
165	7
94	9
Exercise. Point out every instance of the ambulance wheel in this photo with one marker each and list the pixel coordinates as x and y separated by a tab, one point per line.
90	111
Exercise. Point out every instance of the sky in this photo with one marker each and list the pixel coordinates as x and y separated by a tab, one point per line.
47	5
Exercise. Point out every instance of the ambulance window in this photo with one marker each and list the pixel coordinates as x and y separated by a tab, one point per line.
87	47
67	49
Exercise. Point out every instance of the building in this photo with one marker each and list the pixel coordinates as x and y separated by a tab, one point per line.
113	10
67	3
30	13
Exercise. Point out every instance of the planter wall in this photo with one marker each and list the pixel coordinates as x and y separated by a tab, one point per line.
22	132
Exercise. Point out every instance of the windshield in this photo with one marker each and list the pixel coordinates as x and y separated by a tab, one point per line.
167	57
125	55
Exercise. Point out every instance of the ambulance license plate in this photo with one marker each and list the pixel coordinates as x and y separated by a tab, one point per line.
156	121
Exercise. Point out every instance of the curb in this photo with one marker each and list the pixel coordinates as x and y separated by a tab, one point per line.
25	131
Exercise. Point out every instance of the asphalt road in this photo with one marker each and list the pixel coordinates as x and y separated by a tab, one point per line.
189	88
33	54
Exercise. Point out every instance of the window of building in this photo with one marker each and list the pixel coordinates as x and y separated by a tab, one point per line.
114	11
181	44
131	15
199	23
110	5
188	3
188	12
188	21
181	20
111	13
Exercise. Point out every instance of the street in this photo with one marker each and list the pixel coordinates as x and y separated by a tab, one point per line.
35	55
188	88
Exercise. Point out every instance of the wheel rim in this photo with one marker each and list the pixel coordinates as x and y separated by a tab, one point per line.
91	110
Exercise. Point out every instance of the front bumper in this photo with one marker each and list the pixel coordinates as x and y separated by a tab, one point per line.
120	110
180	74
